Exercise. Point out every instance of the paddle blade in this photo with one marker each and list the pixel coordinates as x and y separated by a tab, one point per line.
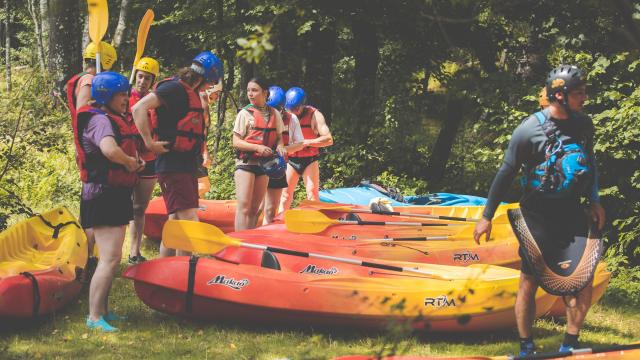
307	221
98	20
143	31
195	236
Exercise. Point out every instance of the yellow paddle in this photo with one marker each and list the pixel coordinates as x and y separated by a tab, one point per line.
98	22
313	221
204	238
143	31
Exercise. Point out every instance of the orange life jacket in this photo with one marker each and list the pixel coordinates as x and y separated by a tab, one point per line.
189	132
263	132
96	167
144	153
307	133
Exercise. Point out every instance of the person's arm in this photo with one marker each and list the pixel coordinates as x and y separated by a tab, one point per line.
519	146
279	129
114	153
140	112
84	96
596	211
324	138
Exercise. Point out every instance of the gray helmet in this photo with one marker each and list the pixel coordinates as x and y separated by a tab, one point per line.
563	79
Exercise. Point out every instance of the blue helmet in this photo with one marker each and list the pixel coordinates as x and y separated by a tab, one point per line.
209	66
106	84
294	98
275	167
276	97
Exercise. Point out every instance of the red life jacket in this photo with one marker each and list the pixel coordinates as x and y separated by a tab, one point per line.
71	93
144	153
263	132
189	132
307	133
96	167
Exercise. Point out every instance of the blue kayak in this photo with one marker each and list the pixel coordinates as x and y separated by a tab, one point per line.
362	195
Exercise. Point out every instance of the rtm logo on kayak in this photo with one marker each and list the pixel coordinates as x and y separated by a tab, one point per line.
229	282
312	269
466	257
439	302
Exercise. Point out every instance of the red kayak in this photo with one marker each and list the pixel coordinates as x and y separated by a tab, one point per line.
220	213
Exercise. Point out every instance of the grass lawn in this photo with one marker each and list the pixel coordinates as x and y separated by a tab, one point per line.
150	334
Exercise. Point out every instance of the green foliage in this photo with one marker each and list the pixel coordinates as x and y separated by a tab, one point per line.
255	46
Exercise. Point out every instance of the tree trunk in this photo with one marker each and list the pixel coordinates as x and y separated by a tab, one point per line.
122	24
85	30
318	74
365	44
222	106
7	42
64	42
34	11
44	14
442	148
247	70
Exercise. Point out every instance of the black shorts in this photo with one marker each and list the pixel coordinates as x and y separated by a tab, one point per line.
257	170
524	263
149	171
299	164
278	183
114	207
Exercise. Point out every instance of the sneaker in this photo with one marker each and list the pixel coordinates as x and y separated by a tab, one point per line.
566	348
528	349
114	317
100	324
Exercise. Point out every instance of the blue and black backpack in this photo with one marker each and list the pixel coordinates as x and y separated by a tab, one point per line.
566	170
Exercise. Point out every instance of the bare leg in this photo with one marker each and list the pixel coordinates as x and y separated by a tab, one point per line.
526	305
271	204
91	240
576	314
287	195
259	189
109	240
244	193
165	251
141	196
311	178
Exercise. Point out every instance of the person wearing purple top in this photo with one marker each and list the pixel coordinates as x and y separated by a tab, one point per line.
108	162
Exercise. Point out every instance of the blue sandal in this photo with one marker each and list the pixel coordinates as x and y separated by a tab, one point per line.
100	324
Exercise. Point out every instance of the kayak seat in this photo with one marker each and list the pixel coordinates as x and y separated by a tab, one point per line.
269	261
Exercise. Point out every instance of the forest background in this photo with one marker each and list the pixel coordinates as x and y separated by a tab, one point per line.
421	95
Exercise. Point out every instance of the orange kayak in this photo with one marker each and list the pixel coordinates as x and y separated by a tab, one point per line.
501	252
474	298
220	213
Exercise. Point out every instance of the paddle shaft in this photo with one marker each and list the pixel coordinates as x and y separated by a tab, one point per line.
143	31
339	259
420	238
398	223
427	216
578	352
